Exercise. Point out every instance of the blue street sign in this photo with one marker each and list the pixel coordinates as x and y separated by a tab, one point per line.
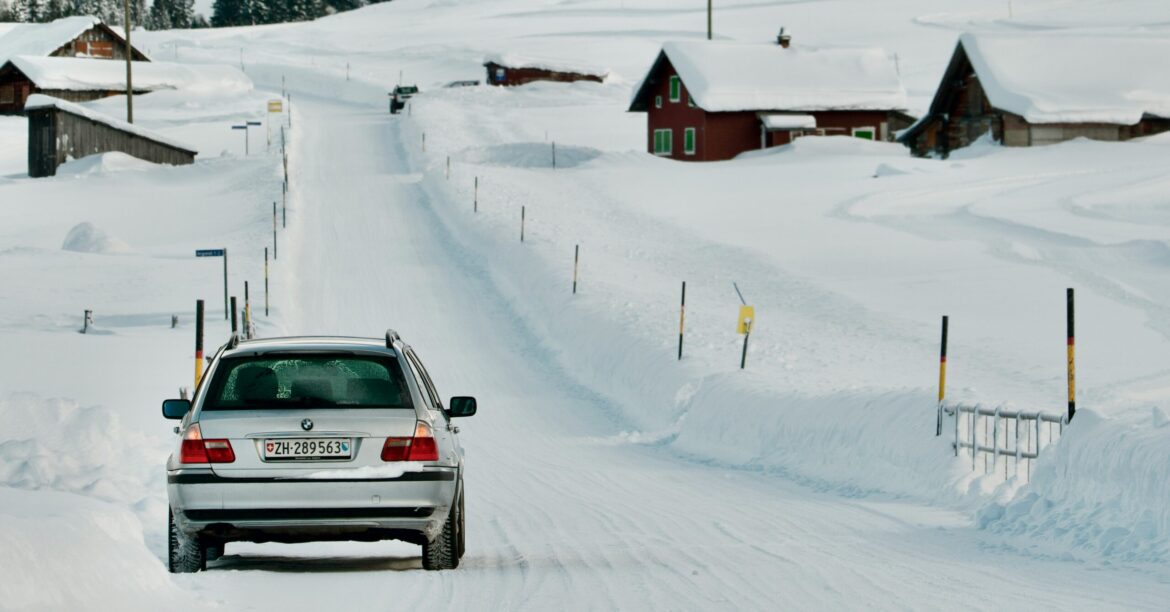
255	123
209	253
239	127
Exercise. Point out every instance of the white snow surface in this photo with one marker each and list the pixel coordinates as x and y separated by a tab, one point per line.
85	238
81	74
1078	76
37	101
603	473
731	76
41	39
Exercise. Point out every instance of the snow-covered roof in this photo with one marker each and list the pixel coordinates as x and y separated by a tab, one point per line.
512	60
785	121
37	101
1073	77
43	38
730	76
82	74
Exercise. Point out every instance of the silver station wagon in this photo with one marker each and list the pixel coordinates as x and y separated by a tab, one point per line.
311	439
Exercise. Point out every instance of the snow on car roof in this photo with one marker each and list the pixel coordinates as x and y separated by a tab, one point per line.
83	74
732	76
38	101
1074	77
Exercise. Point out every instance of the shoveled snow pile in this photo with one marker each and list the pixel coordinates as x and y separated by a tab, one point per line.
62	551
70	73
113	161
85	238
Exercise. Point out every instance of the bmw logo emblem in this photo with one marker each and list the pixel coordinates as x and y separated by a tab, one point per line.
307	424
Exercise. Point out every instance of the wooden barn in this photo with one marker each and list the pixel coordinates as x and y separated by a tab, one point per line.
60	130
1043	88
512	70
70	37
708	101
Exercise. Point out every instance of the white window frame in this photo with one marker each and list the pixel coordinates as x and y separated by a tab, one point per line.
694	141
872	131
675	94
668	133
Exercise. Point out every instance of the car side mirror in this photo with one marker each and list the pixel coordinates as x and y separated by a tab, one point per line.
176	409
462	407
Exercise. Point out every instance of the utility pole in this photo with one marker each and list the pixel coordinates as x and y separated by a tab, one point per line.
709	30
129	58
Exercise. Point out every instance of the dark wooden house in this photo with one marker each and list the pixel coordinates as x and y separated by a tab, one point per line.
507	71
70	37
60	130
1045	88
708	101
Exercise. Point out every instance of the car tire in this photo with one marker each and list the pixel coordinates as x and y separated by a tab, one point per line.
185	554
462	525
443	552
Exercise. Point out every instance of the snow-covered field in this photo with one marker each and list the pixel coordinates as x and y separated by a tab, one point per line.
604	473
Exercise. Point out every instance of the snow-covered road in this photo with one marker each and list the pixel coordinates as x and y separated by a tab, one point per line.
562	513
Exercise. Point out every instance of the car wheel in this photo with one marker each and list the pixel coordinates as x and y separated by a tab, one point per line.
443	552
185	554
462	525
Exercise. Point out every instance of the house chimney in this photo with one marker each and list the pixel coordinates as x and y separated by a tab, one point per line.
783	38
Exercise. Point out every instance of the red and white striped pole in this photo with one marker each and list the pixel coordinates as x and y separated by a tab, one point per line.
1072	364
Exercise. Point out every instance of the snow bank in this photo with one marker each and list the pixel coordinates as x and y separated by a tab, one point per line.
66	552
529	155
514	60
113	161
1103	490
85	238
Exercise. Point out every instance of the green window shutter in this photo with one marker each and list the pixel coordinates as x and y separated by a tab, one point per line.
675	89
689	141
657	141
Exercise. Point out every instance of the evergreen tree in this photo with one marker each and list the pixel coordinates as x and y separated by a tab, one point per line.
227	13
160	16
56	9
182	13
200	21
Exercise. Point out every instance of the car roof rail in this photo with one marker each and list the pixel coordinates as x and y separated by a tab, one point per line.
234	341
391	336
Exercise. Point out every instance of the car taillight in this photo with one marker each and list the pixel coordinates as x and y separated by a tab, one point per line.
421	447
197	450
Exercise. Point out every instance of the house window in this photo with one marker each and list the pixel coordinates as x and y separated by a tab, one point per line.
663	141
689	141
675	89
657	101
690	100
7	94
866	133
500	74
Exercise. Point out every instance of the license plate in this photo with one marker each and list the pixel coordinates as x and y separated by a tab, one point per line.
307	448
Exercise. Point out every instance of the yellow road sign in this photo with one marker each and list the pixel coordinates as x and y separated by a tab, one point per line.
747	318
275	106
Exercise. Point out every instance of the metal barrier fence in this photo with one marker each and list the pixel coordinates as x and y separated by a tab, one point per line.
1012	434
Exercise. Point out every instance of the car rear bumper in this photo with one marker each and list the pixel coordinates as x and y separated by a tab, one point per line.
410	507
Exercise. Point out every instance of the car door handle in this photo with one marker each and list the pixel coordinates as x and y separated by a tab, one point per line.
452	429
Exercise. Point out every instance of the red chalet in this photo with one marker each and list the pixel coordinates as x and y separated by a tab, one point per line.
709	101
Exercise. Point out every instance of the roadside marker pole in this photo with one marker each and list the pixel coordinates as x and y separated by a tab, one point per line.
284	205
554	155
235	325
1072	364
198	342
448	168
424	142
266	281
521	224
247	313
682	318
225	285
475	202
576	259
747	315
942	377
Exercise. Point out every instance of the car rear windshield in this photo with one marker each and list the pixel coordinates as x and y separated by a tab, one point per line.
309	381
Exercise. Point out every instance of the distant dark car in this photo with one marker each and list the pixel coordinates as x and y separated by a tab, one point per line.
400	95
462	84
